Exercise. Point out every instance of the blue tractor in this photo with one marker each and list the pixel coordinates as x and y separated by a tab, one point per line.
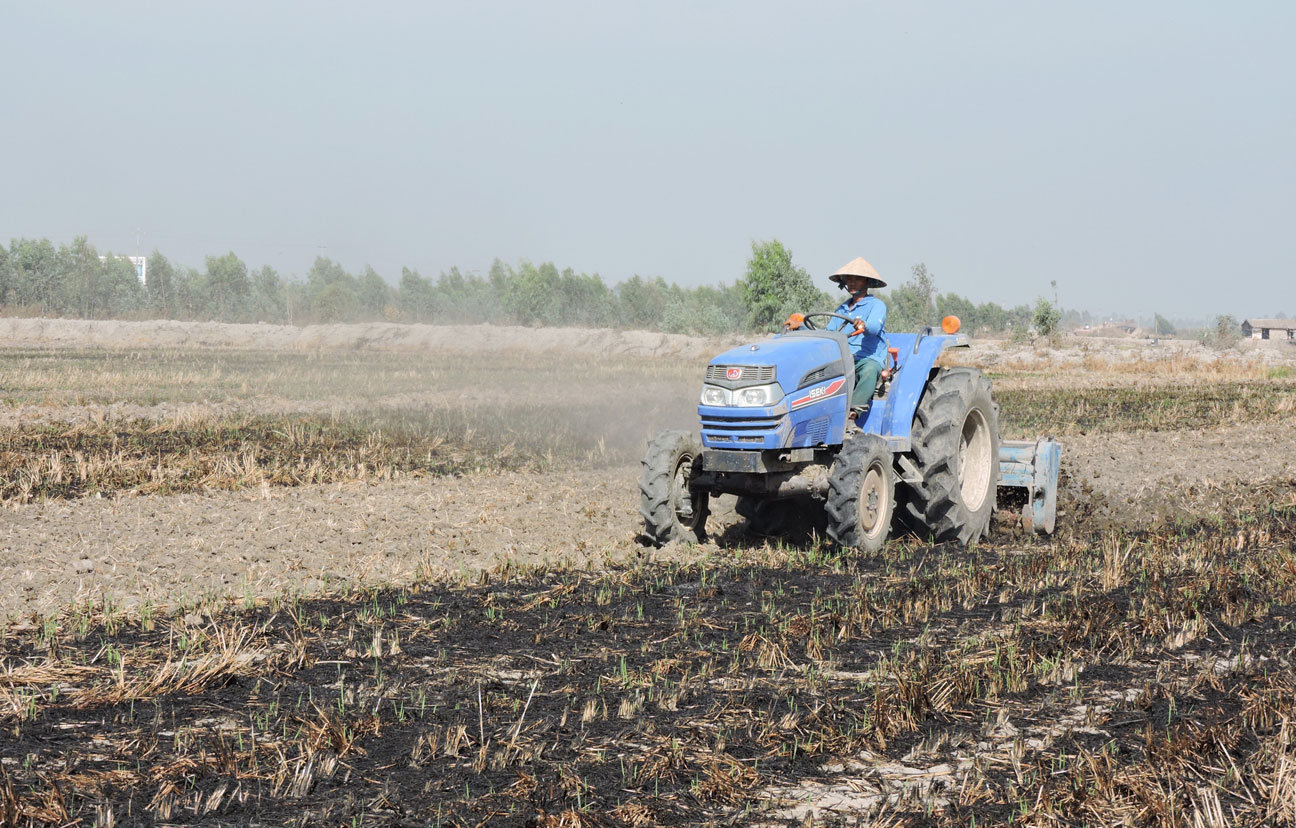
776	425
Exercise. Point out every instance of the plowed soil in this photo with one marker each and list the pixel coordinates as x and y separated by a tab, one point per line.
165	549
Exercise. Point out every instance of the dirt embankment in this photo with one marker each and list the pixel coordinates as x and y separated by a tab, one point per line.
77	333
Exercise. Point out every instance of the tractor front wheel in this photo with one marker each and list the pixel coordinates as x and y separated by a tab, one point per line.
672	508
861	494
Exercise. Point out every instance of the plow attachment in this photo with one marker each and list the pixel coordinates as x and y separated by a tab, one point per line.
1033	466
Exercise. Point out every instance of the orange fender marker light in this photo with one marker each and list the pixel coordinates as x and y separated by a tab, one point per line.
950	324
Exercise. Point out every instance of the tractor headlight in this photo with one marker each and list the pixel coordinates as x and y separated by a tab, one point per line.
758	396
714	395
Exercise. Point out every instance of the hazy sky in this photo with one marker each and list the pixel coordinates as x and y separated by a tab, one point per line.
1141	154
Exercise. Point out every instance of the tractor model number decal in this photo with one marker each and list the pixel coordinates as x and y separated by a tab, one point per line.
734	373
819	393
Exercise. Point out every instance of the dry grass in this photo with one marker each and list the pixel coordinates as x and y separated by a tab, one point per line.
63	377
1027	410
201	453
149	422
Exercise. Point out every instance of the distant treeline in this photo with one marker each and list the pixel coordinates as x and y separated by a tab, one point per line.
38	278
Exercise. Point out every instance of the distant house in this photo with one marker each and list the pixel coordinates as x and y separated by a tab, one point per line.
1269	329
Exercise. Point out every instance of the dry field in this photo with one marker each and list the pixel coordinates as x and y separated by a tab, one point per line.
375	575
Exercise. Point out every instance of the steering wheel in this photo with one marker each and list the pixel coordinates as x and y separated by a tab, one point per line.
850	323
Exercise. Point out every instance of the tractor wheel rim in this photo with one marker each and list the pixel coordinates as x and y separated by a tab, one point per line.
681	501
975	462
873	503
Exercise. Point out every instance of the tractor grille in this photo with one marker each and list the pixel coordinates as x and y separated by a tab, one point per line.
746	373
742	423
744	432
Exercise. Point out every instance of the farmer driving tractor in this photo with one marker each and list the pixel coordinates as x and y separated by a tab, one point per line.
867	327
868	339
867	333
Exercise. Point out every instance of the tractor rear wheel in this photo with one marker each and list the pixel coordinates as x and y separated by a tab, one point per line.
955	442
672	508
861	494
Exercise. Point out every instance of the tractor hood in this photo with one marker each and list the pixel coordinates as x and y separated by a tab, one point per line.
791	358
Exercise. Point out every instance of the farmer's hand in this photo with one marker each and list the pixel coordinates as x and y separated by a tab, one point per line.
859	326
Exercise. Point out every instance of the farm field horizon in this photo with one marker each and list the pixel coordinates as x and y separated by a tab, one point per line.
385	577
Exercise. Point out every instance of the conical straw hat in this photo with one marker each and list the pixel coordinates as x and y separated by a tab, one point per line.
858	267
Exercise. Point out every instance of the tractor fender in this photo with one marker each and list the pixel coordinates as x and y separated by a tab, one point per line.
893	420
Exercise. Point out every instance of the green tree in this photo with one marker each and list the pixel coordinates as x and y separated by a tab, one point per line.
586	299
331	291
116	288
225	288
1017	321
535	295
81	272
374	294
705	310
465	299
335	302
774	287
544	296
454	296
268	302
6	276
912	306
992	317
1046	317
160	286
722	308
34	266
1226	331
642	302
189	293
415	297
296	301
1162	326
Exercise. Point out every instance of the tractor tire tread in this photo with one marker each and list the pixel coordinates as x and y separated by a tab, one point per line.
661	524
934	506
844	482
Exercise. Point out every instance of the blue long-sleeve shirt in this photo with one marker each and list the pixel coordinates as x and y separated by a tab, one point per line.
871	344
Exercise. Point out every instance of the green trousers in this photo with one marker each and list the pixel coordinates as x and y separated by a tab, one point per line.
866	380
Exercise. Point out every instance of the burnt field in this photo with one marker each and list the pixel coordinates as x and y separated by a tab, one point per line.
390	588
